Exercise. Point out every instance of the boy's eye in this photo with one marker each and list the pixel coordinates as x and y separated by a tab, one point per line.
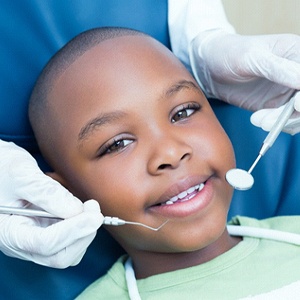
115	146
184	112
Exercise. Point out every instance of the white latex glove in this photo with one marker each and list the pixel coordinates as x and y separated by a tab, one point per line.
265	118
252	72
49	242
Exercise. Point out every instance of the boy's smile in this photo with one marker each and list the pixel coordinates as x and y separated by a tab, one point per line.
136	133
188	201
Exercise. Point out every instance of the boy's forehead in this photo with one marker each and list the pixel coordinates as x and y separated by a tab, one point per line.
123	47
120	56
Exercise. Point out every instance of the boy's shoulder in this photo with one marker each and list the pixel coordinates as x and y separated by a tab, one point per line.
112	285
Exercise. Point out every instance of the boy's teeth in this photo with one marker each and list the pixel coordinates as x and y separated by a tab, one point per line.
190	190
183	194
173	199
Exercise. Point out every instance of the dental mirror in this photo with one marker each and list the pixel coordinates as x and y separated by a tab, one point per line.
240	179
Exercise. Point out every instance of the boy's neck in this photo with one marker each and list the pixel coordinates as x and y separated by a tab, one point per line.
150	263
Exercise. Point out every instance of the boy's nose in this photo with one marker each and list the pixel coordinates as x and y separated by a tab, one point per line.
167	154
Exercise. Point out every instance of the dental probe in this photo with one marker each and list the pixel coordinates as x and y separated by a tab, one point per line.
275	130
114	221
243	180
117	222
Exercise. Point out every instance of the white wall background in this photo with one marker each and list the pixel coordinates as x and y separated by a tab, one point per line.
264	16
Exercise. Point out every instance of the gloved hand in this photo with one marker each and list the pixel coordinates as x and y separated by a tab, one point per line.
252	72
50	242
265	118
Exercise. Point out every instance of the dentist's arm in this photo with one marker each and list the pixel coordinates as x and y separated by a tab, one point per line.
49	242
252	72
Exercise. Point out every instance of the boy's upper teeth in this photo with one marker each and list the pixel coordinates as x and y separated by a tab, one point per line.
185	193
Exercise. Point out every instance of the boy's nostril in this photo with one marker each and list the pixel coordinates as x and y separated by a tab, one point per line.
164	166
184	156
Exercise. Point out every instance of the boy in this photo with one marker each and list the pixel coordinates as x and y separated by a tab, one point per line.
121	121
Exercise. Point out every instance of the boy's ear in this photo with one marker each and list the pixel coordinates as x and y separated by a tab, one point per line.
58	178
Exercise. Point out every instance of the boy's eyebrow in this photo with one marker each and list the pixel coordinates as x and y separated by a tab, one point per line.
100	120
181	85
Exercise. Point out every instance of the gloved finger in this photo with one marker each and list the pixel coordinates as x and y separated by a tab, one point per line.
32	185
66	257
24	237
265	118
297	102
73	254
278	69
69	256
22	179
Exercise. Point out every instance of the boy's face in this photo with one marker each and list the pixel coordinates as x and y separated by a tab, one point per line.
135	132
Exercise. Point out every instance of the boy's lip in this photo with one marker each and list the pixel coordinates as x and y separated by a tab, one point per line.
201	195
